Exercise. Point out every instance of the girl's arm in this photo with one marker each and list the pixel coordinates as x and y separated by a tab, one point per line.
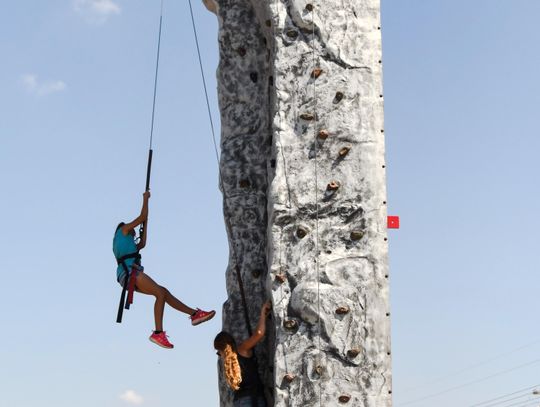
142	241
245	348
128	227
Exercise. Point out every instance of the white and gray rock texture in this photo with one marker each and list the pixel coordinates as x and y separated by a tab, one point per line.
303	178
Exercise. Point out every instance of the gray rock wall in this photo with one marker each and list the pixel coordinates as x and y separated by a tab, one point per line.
300	93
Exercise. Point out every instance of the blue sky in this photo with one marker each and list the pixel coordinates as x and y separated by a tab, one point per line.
461	100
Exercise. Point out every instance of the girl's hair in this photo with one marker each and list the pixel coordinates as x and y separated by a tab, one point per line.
119	226
225	342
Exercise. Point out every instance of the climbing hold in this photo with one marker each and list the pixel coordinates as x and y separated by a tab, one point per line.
344	398
339	96
352	353
343	310
333	186
268	23
307	116
323	134
271	81
290	324
241	51
393	222
244	183
292	34
384	166
316	73
386	239
387	314
380	96
256	273
319	370
273	163
254	77
344	151
309	7
357	235
382	130
301	232
281	277
380	62
289	377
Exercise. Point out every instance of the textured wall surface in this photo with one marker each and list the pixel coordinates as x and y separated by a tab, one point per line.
300	93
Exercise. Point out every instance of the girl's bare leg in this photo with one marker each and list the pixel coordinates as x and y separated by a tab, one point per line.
177	304
146	285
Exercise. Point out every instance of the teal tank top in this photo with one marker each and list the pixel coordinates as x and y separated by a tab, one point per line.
123	245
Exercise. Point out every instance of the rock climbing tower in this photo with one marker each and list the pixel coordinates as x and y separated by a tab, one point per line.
303	178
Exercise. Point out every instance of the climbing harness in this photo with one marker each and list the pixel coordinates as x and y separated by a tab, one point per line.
222	185
129	281
129	284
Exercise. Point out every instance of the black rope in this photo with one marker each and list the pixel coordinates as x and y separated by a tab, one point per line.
222	185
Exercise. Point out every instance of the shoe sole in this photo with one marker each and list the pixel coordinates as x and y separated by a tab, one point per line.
160	345
204	319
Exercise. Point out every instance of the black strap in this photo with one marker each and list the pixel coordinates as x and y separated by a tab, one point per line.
123	301
121	260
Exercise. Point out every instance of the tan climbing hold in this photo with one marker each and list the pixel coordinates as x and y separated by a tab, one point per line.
343	310
309	7
319	370
333	186
301	232
307	116
344	151
323	134
292	33
289	377
316	73
357	234
339	96
281	278
352	353
244	183
290	324
344	398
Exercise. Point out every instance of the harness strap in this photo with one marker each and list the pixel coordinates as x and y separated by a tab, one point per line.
129	284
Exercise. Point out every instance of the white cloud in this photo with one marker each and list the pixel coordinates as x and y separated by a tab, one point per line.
31	83
96	11
131	397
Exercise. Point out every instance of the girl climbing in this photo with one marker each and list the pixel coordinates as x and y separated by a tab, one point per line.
126	250
240	366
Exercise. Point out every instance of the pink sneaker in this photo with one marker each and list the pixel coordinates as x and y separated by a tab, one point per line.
161	340
201	316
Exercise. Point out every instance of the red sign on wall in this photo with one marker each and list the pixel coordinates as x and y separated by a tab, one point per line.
393	222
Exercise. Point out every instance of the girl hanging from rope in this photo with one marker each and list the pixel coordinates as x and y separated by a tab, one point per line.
239	364
126	251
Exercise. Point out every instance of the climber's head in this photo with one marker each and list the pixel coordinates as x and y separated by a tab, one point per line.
225	344
222	341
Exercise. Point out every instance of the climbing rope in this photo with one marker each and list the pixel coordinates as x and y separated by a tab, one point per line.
150	151
221	183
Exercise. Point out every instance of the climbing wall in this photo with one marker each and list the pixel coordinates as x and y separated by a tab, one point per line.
300	85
